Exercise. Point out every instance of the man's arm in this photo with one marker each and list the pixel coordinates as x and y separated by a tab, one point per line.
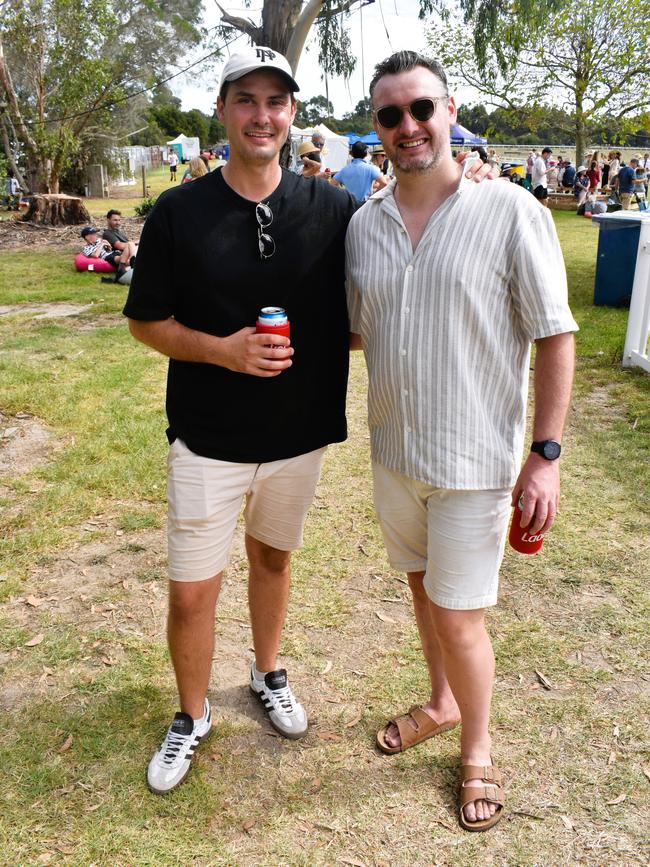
539	479
244	351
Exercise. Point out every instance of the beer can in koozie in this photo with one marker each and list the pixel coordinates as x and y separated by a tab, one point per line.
519	537
273	320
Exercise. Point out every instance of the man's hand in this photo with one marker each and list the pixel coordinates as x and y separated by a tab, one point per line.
539	482
478	170
263	355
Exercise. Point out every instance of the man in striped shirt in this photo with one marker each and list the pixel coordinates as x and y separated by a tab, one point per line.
449	283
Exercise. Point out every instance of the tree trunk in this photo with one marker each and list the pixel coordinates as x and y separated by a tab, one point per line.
57	210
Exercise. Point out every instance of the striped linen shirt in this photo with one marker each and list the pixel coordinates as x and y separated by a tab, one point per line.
447	330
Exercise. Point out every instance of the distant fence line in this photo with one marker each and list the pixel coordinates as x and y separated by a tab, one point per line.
520	151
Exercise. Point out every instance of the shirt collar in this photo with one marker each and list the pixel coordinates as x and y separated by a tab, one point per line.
463	184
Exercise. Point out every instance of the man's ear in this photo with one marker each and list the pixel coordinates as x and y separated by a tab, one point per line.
453	112
220	108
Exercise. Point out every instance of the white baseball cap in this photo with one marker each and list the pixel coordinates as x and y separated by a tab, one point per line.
257	57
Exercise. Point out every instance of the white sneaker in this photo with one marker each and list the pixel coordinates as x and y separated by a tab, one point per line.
286	714
170	765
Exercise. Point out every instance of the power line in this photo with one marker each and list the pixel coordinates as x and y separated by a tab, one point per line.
122	99
381	11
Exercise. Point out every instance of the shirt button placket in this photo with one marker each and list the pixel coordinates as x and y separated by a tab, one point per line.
403	367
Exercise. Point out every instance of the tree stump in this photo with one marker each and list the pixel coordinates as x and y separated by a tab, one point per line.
57	210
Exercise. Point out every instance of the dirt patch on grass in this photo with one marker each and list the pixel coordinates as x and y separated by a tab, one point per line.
45	310
25	444
16	235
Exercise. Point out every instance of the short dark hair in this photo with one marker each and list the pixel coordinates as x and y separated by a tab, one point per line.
112	213
405	61
358	150
547	150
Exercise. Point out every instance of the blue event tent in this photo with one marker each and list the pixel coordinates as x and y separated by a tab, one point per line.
461	136
458	136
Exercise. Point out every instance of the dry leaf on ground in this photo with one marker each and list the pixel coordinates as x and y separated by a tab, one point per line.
248	824
568	824
67	743
616	801
384	617
329	736
328	667
543	680
34	601
353	722
35	640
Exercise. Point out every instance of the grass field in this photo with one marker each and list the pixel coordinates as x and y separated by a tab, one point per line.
87	690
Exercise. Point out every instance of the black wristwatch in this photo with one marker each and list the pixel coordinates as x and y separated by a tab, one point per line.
549	449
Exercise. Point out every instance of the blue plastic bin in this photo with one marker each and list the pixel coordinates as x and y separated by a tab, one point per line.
618	244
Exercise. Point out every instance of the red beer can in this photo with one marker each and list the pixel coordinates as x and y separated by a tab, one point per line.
520	539
273	320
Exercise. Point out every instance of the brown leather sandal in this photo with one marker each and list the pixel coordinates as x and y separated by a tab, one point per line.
492	792
425	727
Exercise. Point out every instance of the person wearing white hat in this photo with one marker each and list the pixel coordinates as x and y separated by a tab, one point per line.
250	415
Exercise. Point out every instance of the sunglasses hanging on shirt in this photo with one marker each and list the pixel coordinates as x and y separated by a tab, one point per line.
265	242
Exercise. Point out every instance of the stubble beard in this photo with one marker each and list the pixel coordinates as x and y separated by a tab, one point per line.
419	166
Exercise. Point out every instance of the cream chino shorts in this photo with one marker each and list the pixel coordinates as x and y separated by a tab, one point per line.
455	537
205	497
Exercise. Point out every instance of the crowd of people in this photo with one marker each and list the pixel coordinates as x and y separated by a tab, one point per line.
600	180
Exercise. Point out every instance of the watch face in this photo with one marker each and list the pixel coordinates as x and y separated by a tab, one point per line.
551	450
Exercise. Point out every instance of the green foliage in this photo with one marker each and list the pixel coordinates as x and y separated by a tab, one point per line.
216	130
592	66
316	110
145	206
73	64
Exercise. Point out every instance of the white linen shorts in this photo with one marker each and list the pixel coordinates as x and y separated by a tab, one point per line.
204	497
455	537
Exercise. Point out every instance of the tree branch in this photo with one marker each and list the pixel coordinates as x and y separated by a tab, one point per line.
244	25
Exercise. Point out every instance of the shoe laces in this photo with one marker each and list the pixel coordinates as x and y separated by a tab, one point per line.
283	699
172	745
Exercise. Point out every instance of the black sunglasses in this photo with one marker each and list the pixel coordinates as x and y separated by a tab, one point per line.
390	116
264	216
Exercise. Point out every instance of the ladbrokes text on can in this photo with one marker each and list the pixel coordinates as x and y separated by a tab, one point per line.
520	539
273	320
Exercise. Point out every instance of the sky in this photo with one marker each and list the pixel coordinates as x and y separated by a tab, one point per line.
400	28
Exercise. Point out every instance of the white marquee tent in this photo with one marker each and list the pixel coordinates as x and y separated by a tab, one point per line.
334	155
189	146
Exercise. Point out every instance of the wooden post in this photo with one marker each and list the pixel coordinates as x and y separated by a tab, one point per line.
144	180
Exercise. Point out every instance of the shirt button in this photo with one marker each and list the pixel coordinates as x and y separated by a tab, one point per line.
407	310
405	391
402	352
407	429
409	267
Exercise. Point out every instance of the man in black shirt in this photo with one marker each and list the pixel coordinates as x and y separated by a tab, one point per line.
249	415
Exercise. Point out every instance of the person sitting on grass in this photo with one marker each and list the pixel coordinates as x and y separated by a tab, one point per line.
100	248
117	237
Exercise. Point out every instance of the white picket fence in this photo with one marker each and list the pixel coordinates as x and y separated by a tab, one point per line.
637	339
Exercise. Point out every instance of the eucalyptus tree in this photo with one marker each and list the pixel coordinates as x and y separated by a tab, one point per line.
591	60
66	67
